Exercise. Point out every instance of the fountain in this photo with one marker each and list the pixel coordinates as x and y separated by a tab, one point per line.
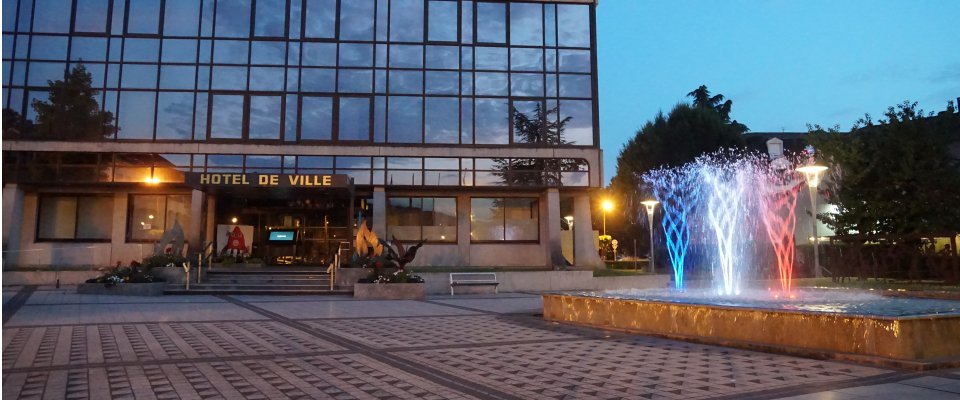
727	208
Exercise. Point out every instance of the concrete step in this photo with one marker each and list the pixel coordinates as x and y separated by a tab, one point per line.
246	286
325	280
266	271
181	290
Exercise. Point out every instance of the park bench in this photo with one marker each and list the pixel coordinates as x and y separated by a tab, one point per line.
473	279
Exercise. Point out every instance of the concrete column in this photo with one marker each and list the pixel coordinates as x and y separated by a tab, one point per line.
554	248
211	221
118	235
380	212
463	230
12	220
196	223
584	251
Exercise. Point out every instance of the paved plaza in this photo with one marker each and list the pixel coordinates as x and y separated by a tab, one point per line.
57	344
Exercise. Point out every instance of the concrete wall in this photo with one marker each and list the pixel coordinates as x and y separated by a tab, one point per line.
546	281
47	277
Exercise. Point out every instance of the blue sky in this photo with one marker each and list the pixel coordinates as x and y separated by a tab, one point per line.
783	63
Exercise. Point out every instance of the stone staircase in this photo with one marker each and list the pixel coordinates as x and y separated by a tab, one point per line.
263	281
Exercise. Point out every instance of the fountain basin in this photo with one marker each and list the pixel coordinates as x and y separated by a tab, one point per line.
918	341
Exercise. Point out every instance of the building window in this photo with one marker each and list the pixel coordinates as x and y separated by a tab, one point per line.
83	218
504	219
433	219
150	215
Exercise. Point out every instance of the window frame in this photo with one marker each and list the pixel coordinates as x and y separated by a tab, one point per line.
76	225
456	208
128	223
504	222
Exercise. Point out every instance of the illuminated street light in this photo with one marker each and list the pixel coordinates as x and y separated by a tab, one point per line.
651	206
607	205
814	175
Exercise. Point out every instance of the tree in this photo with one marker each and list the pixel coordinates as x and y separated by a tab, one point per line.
542	127
896	176
669	140
71	112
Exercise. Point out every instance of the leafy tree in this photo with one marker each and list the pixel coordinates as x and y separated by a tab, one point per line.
542	127
71	112
898	175
669	140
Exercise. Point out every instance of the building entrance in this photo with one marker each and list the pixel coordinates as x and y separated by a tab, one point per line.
300	230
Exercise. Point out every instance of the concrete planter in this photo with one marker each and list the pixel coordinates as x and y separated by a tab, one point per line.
347	277
124	289
175	275
390	291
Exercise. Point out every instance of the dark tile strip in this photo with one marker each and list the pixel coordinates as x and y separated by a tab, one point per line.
429	373
196	360
203	321
807	388
18	300
437	303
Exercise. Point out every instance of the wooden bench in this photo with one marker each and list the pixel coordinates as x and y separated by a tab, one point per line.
473	279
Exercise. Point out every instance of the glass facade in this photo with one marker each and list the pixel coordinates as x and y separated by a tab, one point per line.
441	72
69	167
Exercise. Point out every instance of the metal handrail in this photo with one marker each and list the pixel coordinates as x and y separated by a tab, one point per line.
206	255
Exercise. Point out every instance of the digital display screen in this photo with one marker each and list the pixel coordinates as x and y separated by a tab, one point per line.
282	236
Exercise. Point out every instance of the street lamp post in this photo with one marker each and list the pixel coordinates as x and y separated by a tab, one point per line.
607	206
813	174
650	206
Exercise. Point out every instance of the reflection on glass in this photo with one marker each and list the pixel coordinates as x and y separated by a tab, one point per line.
491	58
406	82
356	55
466	121
230	78
270	53
319	54
406	20
316	121
270	18
266	78
442	122
486	219
521	219
443	57
579	129
491	22
442	82
405	119
575	60
144	16
354	122
442	21
321	19
573	21
356	20
491	119
177	76
175	115
226	117
136	115
575	85
233	18
181	18
406	56
230	51
529	85
137	76
522	59
48	48
91	16
318	80
179	50
355	81
265	117
141	50
491	84
53	16
86	49
526	24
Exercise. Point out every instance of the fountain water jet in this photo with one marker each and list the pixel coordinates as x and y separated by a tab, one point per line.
678	191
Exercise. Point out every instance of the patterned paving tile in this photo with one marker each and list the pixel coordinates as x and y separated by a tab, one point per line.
630	368
438	331
347	376
91	344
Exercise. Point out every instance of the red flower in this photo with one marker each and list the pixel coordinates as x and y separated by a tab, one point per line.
378	264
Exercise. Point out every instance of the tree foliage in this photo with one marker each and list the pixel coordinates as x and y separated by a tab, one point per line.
671	140
71	112
898	175
542	127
